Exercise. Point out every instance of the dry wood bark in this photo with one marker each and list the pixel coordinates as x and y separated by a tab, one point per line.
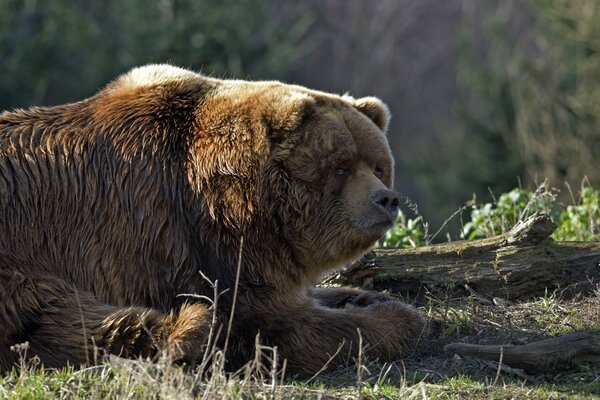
519	264
543	356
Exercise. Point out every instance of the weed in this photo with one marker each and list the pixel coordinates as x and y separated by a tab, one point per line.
579	221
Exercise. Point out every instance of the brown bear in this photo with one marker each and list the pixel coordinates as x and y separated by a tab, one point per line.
114	208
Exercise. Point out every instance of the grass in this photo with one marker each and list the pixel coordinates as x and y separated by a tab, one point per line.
429	374
482	321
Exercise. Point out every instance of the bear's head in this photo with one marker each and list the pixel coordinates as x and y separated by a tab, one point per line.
313	168
335	189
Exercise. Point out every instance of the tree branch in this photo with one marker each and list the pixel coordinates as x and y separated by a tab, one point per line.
519	264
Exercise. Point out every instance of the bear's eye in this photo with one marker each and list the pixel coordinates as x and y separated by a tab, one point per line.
378	172
341	171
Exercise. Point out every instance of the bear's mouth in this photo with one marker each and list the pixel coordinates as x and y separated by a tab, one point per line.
376	229
382	227
382	220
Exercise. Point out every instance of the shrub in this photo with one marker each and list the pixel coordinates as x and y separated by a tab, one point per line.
406	233
579	221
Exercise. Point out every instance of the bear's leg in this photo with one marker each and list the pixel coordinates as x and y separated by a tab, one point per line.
311	336
64	325
338	297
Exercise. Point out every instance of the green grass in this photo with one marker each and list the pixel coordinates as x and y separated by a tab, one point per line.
143	382
429	374
579	221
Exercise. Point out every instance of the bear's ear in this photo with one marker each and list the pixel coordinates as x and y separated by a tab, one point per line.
287	110
375	109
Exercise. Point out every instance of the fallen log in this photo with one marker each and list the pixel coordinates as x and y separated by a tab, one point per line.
519	264
553	354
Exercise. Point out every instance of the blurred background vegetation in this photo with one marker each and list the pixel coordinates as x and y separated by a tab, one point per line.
486	95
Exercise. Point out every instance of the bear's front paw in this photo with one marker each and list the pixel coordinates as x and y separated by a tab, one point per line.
188	333
396	328
364	299
398	315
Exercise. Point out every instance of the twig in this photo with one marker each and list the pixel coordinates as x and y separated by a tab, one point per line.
212	338
85	341
324	367
283	368
509	370
570	193
359	365
446	222
235	292
499	366
274	372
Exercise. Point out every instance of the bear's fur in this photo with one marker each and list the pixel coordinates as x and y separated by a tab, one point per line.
114	208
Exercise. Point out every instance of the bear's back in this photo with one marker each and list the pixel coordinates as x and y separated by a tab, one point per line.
87	187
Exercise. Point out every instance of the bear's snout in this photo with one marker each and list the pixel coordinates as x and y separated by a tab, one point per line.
388	202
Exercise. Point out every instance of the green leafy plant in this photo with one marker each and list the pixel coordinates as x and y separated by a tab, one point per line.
577	222
406	232
580	221
500	216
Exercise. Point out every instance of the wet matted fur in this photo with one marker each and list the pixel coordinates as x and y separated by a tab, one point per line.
111	207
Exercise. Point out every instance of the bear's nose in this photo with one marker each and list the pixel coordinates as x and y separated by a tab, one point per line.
387	201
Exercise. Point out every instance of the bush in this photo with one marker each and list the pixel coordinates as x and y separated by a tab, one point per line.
406	233
579	221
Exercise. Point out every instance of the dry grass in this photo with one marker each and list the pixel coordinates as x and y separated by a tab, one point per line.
476	319
430	374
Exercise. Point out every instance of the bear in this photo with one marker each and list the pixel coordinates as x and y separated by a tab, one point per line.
121	215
